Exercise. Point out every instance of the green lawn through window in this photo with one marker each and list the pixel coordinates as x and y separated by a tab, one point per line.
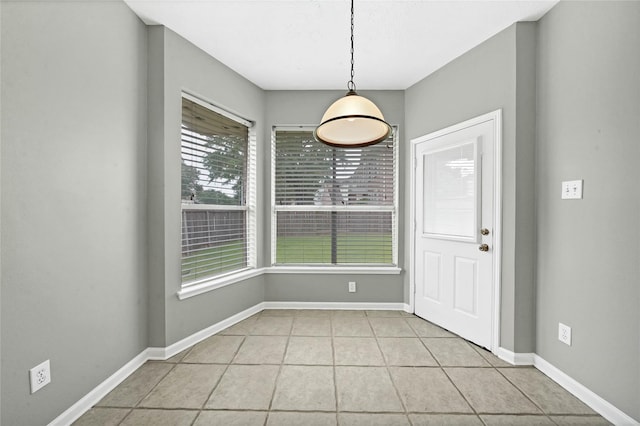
352	248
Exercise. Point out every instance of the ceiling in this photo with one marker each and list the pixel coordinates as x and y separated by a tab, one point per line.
304	44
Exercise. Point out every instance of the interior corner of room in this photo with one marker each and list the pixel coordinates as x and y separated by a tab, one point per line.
90	203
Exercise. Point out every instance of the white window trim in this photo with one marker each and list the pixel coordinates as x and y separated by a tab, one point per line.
337	269
193	288
209	284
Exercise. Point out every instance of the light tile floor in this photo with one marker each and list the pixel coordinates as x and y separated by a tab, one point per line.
315	367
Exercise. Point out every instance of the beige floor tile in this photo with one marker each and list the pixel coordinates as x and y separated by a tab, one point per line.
311	326
186	386
386	362
309	351
177	357
547	394
231	418
490	358
351	327
391	327
102	417
137	385
580	420
245	387
298	419
454	352
366	419
141	417
489	392
278	312
385	313
348	313
305	388
261	350
241	328
366	389
428	390
405	351
510	420
272	326
214	350
314	313
357	351
426	329
445	420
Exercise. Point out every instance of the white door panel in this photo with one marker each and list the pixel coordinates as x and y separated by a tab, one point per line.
453	193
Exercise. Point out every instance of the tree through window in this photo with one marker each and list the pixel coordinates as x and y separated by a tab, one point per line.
333	206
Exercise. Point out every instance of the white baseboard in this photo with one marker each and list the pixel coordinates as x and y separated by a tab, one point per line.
336	305
595	402
604	408
187	342
515	358
598	404
89	400
92	398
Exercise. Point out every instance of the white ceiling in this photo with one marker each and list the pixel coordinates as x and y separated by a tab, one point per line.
304	44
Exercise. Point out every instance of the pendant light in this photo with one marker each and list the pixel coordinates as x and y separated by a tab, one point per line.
352	121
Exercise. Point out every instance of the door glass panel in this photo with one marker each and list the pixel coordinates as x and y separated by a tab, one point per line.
450	192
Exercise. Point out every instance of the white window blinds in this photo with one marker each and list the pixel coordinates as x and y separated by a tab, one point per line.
333	206
215	153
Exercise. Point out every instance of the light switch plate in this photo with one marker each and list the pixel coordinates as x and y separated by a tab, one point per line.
572	190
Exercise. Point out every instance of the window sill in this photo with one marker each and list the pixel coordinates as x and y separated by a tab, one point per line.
219	282
365	270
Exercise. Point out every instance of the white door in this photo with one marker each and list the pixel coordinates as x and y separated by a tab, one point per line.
454	238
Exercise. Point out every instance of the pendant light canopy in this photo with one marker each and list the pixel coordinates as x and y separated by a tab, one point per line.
352	121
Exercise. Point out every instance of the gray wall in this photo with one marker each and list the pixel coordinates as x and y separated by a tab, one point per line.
175	65
487	78
73	200
90	206
588	253
306	108
0	214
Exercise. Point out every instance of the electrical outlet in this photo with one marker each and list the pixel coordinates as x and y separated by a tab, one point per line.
572	190
352	286
564	333
40	376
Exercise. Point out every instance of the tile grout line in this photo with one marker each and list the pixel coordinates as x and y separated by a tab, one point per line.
335	378
393	384
523	393
275	383
461	394
333	320
235	353
137	404
441	367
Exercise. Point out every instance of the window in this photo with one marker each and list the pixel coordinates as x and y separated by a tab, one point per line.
332	206
218	195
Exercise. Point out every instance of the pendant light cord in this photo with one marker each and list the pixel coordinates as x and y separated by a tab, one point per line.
351	85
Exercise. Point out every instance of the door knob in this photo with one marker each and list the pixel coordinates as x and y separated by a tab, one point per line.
484	231
483	247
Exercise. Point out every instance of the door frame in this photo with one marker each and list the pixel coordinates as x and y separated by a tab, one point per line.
496	116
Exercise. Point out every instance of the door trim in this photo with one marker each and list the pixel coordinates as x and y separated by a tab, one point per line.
496	116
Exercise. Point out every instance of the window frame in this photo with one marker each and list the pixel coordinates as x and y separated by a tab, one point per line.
201	285
392	268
